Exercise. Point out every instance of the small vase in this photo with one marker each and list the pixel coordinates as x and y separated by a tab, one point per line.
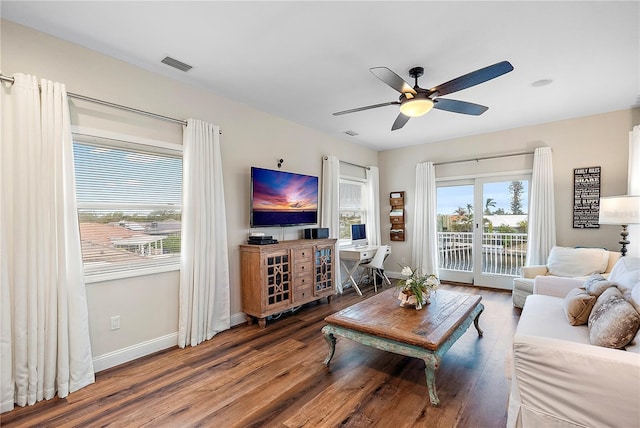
409	300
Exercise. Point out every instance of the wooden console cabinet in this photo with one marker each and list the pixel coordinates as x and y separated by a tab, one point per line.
278	277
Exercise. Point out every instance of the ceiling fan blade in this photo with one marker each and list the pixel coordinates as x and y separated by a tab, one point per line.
473	78
401	120
392	79
353	110
456	106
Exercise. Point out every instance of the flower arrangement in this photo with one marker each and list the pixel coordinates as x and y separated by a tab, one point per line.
416	286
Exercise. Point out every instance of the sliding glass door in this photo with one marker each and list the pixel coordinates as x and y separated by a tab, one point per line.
482	229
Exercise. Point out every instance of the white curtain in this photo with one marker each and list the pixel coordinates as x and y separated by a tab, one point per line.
633	187
425	231
45	347
373	206
542	214
204	274
330	215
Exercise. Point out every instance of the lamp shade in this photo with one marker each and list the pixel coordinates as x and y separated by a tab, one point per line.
620	210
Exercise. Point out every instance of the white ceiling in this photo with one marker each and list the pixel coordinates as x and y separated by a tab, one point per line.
304	60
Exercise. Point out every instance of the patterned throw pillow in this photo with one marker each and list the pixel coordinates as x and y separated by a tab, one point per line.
577	306
613	321
596	284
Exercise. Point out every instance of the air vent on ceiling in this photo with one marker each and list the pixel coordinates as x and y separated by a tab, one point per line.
351	133
176	64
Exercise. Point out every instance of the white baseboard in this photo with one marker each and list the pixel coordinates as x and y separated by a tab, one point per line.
138	350
130	353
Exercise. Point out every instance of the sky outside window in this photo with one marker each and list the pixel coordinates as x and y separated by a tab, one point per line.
450	198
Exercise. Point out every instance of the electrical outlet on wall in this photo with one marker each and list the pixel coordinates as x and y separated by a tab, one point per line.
115	322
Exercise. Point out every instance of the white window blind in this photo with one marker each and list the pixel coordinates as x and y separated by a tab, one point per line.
352	209
129	207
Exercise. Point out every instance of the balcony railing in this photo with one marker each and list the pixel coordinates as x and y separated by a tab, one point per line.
502	253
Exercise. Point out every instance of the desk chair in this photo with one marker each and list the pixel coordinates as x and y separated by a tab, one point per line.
376	266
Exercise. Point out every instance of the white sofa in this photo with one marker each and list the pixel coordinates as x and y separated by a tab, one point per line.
559	379
564	262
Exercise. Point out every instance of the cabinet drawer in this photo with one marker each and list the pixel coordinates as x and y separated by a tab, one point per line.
302	254
302	293
302	281
302	267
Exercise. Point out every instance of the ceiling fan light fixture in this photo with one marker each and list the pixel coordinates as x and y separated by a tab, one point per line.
416	107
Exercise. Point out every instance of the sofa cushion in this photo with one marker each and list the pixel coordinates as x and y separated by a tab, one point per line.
542	316
613	321
577	306
572	262
626	274
596	284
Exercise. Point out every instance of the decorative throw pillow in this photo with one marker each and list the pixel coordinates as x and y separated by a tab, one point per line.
573	262
577	306
613	321
596	284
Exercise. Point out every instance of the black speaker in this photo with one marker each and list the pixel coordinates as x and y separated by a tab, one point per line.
316	233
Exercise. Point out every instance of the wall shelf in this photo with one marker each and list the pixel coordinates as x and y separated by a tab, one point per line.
397	216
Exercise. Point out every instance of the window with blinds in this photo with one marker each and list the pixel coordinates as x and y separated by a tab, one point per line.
129	207
352	210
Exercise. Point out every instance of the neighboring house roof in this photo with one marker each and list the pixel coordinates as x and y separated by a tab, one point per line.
132	226
104	234
93	252
507	219
139	240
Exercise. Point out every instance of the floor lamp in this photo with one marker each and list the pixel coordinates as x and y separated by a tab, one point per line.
621	210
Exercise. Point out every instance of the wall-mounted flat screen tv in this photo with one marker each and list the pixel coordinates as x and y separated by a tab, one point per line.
281	198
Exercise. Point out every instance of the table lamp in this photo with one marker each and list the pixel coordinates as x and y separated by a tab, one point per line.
621	210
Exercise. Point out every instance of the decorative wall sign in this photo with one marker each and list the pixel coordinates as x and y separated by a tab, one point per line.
586	197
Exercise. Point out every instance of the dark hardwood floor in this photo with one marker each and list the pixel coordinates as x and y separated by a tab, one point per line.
274	377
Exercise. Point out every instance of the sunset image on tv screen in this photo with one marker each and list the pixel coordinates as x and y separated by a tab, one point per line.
283	198
278	191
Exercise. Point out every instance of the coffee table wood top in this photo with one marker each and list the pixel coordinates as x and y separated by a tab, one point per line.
429	327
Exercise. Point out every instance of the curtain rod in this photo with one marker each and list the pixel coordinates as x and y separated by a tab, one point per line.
11	80
484	158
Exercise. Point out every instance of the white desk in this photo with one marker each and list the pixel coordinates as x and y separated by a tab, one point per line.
352	257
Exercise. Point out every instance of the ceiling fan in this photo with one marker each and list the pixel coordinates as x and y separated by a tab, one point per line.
417	101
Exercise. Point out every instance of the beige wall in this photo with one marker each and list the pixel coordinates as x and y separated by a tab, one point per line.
600	140
148	305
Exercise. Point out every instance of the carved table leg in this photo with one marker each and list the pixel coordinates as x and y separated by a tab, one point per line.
431	363
331	341
476	320
262	322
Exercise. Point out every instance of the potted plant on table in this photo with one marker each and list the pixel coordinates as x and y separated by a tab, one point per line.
416	287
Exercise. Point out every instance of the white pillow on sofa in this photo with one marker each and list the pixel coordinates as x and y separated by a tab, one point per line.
572	262
626	275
